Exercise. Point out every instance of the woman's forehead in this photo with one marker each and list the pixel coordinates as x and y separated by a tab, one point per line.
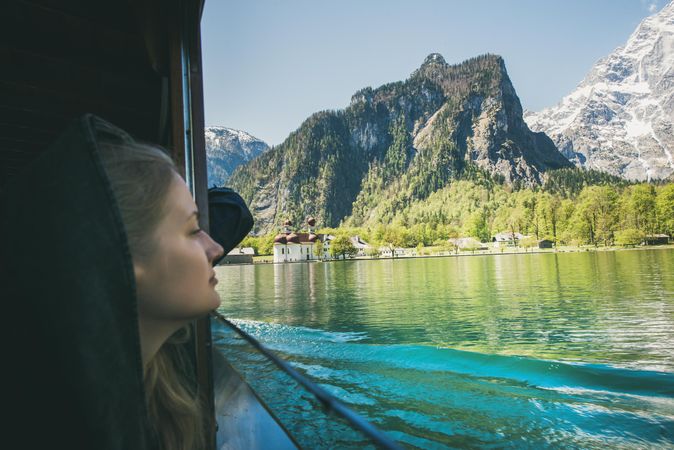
180	202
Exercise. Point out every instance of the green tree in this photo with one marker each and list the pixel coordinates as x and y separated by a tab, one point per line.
638	205
510	219
395	235
251	241
447	232
341	246
565	232
372	252
395	160
530	222
528	242
630	236
476	226
549	210
266	244
263	245
665	209
595	216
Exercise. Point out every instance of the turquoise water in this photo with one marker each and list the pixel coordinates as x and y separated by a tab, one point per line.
517	351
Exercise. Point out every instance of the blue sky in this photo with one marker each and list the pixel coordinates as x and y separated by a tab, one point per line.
268	65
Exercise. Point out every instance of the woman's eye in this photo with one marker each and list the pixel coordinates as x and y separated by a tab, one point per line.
196	231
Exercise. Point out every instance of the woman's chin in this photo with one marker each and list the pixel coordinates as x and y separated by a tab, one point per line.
216	301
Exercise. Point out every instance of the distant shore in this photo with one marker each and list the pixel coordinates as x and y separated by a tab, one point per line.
412	253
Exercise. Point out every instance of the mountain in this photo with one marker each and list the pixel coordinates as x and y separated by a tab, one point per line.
226	149
398	143
620	118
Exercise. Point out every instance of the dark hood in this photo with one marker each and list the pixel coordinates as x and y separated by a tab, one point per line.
72	359
229	218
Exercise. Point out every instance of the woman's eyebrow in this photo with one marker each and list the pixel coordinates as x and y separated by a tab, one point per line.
193	213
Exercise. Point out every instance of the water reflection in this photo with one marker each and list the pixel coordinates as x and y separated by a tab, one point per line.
609	307
508	351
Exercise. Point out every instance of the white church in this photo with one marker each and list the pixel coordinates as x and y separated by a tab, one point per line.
295	247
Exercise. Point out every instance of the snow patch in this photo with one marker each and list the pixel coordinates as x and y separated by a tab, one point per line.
636	128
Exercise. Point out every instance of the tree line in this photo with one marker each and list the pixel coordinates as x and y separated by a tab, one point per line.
595	214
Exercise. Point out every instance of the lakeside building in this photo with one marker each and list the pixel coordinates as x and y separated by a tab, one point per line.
239	255
468	243
291	246
507	239
296	246
361	246
390	252
656	239
326	239
545	243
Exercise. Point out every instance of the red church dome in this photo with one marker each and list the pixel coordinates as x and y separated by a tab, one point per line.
280	239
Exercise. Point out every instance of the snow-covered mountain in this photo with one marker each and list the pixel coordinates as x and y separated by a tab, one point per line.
620	118
226	149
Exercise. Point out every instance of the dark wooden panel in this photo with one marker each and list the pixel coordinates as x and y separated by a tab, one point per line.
42	120
112	14
34	70
12	168
22	144
44	31
52	102
15	125
15	162
34	133
60	59
17	156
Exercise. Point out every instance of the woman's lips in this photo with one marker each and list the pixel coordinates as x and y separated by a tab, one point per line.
213	280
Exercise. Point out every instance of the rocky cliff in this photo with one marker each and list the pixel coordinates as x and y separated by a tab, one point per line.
397	143
620	118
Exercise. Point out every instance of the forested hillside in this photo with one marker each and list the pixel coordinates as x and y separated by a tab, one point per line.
399	144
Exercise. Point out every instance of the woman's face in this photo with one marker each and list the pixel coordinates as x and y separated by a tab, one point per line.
176	283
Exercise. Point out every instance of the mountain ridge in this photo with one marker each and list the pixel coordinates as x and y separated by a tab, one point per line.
228	148
620	118
396	143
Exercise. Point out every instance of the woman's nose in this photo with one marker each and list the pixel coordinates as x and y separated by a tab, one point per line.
214	251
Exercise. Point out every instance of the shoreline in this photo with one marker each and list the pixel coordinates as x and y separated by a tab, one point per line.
491	252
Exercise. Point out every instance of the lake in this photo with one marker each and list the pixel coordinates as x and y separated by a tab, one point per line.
518	351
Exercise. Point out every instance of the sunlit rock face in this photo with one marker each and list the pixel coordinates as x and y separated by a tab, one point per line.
620	117
405	139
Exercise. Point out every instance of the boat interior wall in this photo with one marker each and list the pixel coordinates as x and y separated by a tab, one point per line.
63	58
134	63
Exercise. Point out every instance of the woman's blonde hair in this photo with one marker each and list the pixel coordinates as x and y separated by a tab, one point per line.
140	176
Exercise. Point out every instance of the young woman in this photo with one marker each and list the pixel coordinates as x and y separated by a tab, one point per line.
103	268
172	262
